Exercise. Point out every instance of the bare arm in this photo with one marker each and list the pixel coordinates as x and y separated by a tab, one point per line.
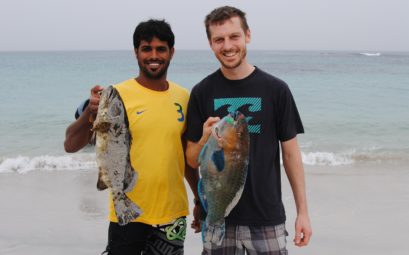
193	149
295	172
78	134
192	177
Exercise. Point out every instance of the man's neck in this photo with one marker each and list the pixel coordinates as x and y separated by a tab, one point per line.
238	73
153	84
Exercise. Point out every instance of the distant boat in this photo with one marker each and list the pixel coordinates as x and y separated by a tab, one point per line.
377	54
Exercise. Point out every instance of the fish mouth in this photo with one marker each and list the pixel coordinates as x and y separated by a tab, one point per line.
237	116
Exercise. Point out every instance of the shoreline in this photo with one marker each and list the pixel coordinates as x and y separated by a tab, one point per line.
354	210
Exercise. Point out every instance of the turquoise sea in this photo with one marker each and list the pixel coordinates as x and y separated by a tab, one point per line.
354	105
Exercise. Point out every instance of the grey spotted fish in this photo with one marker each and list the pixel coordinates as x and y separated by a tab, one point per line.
112	152
223	170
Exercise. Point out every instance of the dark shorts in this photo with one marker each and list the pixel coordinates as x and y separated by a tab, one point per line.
137	238
266	240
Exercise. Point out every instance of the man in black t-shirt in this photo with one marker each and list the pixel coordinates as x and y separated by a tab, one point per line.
256	224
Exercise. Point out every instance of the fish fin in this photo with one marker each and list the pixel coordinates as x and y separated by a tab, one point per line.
218	160
202	152
235	199
213	233
101	126
130	179
233	202
117	113
202	196
126	210
101	185
203	224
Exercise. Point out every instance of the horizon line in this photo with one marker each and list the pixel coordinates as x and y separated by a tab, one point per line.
303	50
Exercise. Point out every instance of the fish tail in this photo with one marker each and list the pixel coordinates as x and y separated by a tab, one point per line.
202	197
130	179
213	233
126	210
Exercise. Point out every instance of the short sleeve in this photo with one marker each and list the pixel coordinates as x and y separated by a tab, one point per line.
290	123
81	108
194	118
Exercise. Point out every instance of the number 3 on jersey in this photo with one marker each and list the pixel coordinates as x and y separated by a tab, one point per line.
180	111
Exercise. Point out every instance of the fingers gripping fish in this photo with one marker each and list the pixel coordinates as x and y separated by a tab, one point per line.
223	170
112	148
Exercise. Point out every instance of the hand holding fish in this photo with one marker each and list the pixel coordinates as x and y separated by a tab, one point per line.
79	133
194	148
94	100
207	129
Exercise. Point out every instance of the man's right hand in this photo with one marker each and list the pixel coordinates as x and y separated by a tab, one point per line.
78	133
94	98
207	129
193	149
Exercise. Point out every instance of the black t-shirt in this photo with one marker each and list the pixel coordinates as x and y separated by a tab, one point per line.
273	117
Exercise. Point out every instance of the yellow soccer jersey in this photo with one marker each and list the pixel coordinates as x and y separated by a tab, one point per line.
157	120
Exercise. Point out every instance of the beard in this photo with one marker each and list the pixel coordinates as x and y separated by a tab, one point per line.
153	75
233	65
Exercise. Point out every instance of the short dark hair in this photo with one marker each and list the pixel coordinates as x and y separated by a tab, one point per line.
221	14
146	30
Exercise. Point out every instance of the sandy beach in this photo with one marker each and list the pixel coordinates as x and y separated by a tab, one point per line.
354	210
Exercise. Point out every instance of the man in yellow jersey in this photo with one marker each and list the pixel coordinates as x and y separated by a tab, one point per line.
156	110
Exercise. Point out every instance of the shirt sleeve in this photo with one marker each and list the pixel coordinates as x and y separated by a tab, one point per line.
290	123
194	118
81	108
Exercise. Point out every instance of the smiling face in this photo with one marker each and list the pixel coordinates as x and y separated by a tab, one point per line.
228	42
153	58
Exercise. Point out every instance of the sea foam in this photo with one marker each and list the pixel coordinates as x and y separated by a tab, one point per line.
326	159
87	161
24	164
370	54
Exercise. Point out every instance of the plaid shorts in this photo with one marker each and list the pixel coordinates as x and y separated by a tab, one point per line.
267	240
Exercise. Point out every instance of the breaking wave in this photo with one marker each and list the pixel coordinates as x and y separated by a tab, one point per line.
86	161
368	54
326	159
24	164
370	155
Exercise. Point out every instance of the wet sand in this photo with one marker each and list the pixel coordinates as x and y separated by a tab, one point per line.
354	210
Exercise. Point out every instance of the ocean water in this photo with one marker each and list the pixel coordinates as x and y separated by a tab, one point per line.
354	105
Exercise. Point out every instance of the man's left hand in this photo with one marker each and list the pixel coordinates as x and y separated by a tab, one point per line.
198	217
303	230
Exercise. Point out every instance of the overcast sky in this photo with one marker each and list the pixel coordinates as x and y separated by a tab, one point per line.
359	25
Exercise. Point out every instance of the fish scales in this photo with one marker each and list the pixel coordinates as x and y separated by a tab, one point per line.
112	152
223	170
